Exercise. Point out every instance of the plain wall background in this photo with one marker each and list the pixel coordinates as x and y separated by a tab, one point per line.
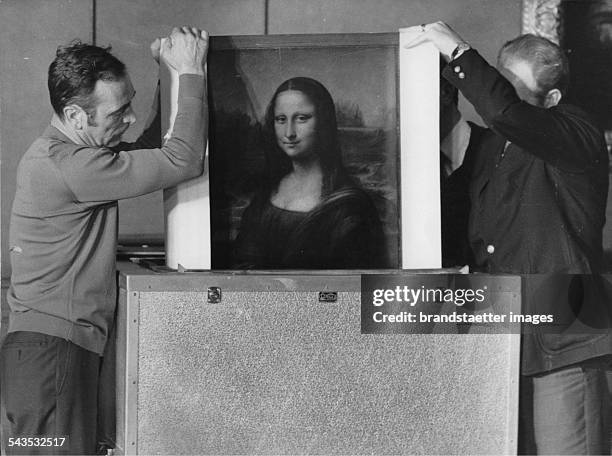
30	31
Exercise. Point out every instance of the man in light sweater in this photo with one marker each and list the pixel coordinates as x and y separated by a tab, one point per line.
63	234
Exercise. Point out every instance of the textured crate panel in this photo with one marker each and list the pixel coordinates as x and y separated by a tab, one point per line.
281	373
121	374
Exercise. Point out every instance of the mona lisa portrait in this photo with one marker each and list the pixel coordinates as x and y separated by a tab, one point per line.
310	214
304	154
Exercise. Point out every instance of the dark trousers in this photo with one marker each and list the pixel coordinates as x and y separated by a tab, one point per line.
49	391
565	412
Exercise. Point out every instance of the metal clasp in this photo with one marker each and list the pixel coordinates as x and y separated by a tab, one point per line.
328	296
214	295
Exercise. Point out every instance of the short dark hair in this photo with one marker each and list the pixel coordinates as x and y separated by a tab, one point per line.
548	61
327	147
74	72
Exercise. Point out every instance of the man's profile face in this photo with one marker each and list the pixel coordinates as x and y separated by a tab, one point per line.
520	74
113	113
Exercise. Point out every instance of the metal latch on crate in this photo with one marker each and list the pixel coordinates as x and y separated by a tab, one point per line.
215	294
328	296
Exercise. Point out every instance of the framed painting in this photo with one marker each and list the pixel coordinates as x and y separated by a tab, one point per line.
361	75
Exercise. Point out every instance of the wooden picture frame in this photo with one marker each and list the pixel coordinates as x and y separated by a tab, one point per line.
541	17
362	74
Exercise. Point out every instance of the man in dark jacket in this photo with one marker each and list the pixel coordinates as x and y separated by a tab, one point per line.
538	183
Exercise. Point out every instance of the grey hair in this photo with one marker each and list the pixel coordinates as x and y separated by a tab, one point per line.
548	61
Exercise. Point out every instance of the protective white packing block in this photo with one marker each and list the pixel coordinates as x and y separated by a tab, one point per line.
186	206
419	71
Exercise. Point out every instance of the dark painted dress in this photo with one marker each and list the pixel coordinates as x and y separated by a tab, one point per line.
342	232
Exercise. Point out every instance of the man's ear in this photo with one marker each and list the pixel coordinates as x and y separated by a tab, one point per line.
75	116
553	97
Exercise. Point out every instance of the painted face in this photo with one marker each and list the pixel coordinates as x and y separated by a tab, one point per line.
113	113
520	75
295	124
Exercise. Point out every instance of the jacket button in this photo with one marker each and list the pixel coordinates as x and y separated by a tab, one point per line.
490	249
461	75
457	69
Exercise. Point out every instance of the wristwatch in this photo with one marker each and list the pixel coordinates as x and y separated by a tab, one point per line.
460	49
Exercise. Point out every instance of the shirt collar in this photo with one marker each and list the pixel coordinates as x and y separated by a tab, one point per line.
455	144
59	126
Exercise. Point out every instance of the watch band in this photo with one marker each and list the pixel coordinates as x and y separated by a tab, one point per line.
460	49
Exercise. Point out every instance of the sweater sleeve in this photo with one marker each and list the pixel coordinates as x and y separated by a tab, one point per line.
101	174
151	136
